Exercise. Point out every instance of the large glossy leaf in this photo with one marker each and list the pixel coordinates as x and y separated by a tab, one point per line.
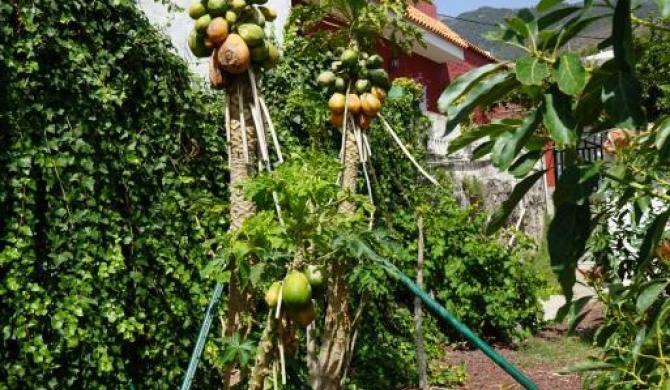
621	97
501	215
576	184
567	236
531	70
559	119
483	149
470	136
556	16
663	138
574	27
545	5
463	84
570	74
486	92
650	292
622	36
525	163
652	238
509	144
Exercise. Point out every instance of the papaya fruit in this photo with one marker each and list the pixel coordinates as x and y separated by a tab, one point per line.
305	315
353	104
349	58
326	79
370	104
340	85
196	43
317	278
259	53
336	103
336	120
296	291
208	43
364	121
197	9
217	7
202	23
375	61
231	17
257	17
217	31
379	93
238	5
272	295
362	86
217	79
252	34
272	58
269	13
379	78
234	55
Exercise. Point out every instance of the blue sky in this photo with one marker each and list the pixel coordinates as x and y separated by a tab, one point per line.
455	7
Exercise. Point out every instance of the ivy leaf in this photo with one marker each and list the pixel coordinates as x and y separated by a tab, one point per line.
559	119
531	70
570	74
500	216
621	96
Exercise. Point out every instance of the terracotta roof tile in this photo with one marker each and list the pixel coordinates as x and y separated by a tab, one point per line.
442	30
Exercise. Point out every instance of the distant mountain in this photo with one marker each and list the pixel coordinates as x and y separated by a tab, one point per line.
473	25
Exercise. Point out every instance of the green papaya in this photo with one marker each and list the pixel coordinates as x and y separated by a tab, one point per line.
196	43
340	85
202	23
349	58
379	78
326	78
269	13
375	61
217	7
259	53
362	86
238	5
252	34
231	17
197	9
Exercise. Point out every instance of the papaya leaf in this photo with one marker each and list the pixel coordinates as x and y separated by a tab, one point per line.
486	92
621	96
531	70
570	74
525	163
463	84
508	145
559	119
492	130
650	292
652	238
663	138
499	217
568	232
664	7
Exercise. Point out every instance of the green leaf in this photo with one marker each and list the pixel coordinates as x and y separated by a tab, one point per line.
570	74
463	84
664	7
531	70
545	5
500	216
621	96
524	164
508	145
483	149
650	292
622	36
468	137
486	92
554	17
576	184
652	238
568	232
663	138
559	119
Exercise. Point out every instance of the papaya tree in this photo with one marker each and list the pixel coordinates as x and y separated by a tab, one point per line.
569	103
231	34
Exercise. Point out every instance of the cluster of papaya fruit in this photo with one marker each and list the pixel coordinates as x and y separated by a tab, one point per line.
232	33
363	77
297	291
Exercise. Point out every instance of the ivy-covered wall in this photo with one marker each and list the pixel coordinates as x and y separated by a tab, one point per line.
106	144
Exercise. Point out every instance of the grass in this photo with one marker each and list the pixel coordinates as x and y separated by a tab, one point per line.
557	351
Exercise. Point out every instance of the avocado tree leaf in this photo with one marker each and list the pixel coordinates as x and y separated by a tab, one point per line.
500	216
531	70
662	141
571	29
483	149
545	5
576	184
491	130
570	74
568	232
621	96
554	17
559	119
508	145
488	91
525	163
463	84
651	290
622	36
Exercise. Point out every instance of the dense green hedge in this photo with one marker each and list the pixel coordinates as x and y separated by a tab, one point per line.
106	140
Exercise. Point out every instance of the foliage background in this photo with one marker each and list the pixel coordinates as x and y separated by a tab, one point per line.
106	140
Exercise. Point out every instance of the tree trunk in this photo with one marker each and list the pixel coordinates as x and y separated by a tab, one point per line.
328	367
420	353
240	208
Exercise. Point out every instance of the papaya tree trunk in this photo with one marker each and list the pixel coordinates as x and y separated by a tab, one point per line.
242	166
328	366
